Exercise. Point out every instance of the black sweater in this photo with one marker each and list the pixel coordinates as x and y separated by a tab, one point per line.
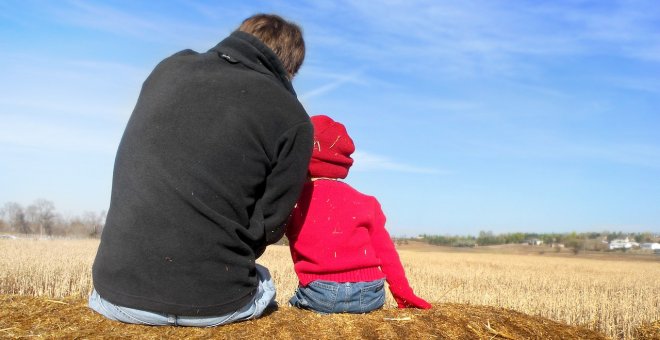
209	167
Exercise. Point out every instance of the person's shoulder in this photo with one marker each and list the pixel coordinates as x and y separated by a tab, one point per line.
186	52
175	60
351	190
358	197
181	56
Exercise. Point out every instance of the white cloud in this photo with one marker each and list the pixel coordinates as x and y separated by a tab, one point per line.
476	38
365	161
337	80
639	83
150	26
636	154
535	144
45	136
109	19
60	87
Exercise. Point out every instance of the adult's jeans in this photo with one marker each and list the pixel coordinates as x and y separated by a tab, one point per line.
264	297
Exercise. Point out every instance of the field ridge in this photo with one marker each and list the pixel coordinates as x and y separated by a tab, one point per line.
42	317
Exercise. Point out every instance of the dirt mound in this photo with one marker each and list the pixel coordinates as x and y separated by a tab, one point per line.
23	317
648	331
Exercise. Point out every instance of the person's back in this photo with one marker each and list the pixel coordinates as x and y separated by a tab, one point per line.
208	169
341	250
334	233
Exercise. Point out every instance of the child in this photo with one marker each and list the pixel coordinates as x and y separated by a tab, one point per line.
339	246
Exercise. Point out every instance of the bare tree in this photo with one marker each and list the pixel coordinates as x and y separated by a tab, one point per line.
94	222
42	214
68	225
41	217
61	225
16	217
3	224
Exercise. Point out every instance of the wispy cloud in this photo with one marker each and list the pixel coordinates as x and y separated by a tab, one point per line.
542	145
210	11
337	80
476	38
644	83
365	161
151	26
626	28
56	136
60	87
636	154
109	19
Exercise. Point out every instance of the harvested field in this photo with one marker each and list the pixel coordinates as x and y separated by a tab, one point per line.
617	298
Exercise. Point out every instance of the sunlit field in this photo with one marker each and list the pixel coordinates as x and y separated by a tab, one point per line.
610	296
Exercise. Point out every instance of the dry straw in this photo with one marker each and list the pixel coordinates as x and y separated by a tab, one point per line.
24	316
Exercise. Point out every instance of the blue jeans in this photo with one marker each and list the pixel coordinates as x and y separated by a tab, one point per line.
264	298
334	297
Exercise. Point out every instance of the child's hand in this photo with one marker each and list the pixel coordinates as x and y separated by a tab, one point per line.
412	301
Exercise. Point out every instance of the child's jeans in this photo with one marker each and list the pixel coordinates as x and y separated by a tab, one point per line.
264	298
340	297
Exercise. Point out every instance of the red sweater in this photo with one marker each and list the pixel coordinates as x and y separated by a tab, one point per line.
338	234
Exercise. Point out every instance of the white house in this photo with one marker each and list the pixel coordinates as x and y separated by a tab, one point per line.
534	242
623	244
650	246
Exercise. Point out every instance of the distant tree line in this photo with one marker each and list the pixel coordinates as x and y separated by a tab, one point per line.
41	218
576	241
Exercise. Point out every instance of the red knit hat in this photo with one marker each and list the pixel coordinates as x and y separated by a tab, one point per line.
332	149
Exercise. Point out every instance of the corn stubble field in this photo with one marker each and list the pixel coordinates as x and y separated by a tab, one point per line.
613	297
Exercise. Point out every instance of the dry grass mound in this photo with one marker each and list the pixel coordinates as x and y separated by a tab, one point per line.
648	331
28	317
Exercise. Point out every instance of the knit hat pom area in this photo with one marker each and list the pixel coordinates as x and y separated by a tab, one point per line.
333	147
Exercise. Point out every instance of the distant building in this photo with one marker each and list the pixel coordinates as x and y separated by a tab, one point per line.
650	246
534	242
623	244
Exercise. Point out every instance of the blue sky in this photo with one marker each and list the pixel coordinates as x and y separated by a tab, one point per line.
467	115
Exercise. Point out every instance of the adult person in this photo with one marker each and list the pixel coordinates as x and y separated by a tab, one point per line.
210	165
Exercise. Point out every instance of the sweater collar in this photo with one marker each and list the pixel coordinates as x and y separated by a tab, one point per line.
254	54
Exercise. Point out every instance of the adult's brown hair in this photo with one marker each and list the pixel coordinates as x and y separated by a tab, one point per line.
283	37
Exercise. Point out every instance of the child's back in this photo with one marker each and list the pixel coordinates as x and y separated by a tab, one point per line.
335	235
340	248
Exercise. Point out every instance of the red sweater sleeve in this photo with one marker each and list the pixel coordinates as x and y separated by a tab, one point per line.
391	264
